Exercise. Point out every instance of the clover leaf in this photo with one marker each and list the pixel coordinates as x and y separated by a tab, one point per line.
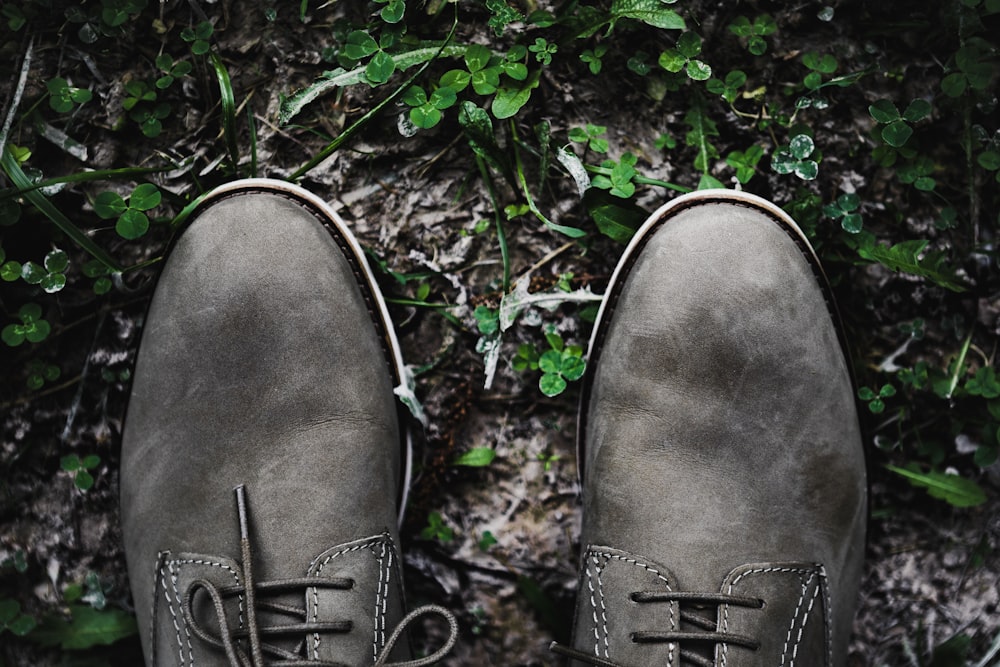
845	209
682	57
794	158
896	130
32	327
132	221
63	97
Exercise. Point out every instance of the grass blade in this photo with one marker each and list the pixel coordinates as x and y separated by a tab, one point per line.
83	177
347	134
43	204
337	78
228	102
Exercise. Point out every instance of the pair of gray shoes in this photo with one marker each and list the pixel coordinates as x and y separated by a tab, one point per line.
264	466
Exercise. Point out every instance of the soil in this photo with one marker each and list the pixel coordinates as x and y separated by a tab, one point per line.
932	570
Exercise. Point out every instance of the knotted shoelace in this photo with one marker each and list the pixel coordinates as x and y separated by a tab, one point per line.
232	640
707	633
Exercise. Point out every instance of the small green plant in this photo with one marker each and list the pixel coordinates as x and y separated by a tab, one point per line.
543	50
32	327
426	110
818	66
593	58
63	97
50	275
971	68
116	12
796	158
876	400
13	620
393	11
728	88
684	57
487	541
845	208
131	221
896	129
918	172
143	108
171	70
754	32
984	383
80	468
592	136
548	459
745	162
198	37
477	457
101	274
437	529
40	372
618	179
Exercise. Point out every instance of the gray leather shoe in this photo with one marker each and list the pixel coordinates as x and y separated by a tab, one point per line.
724	486
267	365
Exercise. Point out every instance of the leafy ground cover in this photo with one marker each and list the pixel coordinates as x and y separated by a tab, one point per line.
493	157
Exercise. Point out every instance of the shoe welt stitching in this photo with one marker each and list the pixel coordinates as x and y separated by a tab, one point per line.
173	563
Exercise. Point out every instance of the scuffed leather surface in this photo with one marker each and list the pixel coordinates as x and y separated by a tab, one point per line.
721	427
258	365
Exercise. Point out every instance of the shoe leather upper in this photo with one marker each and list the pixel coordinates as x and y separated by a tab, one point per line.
721	428
259	365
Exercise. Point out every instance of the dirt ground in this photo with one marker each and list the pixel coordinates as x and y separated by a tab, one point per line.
932	570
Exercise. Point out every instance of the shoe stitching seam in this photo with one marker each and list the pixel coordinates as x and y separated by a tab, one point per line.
729	590
161	567
791	626
367	544
173	563
602	630
828	613
805	620
631	561
384	562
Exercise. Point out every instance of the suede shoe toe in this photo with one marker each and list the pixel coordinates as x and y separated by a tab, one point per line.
267	365
723	473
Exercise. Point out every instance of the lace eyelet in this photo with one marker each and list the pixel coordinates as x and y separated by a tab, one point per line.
350	586
633	637
761	603
632	597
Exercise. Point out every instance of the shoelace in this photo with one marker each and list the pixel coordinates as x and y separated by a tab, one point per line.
708	633
229	638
